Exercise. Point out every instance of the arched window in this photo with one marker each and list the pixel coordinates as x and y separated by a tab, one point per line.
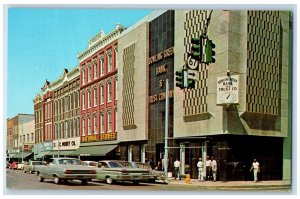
109	87
95	124
83	127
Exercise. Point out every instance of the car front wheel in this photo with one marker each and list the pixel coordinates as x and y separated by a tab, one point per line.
109	180
56	180
41	179
84	182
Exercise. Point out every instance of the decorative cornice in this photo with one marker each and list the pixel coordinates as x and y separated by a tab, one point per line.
100	41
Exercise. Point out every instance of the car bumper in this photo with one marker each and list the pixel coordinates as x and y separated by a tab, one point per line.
131	177
78	176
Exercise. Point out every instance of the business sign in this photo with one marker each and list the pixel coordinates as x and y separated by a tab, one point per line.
47	146
67	144
228	90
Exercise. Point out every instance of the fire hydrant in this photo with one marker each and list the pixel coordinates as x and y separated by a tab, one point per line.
188	178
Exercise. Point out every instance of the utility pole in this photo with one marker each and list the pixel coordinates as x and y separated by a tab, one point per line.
166	129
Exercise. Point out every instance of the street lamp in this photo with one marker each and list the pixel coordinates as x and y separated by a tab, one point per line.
166	130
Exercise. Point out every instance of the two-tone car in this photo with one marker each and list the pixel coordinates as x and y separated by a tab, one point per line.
30	166
114	170
64	170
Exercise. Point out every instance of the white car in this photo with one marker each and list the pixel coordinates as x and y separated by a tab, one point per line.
20	166
90	163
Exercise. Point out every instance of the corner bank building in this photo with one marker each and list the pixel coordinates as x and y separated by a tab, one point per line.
240	108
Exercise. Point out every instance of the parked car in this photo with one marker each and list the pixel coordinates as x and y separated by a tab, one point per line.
13	165
90	163
114	170
65	169
157	176
30	166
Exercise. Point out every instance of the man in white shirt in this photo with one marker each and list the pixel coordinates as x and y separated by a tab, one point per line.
214	169
177	166
200	170
208	168
255	168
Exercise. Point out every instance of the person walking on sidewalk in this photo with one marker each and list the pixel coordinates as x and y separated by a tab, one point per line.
177	167
255	168
200	170
208	168
214	169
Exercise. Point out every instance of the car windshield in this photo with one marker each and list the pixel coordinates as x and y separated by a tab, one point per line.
69	162
36	163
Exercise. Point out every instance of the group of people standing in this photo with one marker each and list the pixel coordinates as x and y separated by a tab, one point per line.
210	168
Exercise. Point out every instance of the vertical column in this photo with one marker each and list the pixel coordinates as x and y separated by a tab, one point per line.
143	153
204	154
130	153
182	158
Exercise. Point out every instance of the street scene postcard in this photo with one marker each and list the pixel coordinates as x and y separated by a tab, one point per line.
148	100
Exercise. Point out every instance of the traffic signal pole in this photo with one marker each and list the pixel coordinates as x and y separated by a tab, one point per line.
166	129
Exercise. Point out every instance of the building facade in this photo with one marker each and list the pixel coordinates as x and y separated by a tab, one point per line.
98	95
38	118
66	112
251	50
47	93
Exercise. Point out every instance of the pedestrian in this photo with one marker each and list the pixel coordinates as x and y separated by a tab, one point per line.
158	167
214	167
208	168
163	163
177	167
151	163
200	170
255	168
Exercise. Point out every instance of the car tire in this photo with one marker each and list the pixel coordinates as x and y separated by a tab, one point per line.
57	180
24	171
109	180
84	182
30	171
136	182
41	179
65	181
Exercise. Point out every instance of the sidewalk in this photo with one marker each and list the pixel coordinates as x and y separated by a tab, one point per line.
238	185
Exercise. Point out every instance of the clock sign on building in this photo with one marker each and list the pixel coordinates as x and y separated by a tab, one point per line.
228	90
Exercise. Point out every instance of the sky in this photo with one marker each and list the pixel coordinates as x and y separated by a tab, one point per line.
42	42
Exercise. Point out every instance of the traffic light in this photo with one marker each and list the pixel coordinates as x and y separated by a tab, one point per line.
181	78
191	83
209	52
196	49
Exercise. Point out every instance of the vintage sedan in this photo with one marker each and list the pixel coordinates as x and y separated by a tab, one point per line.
157	176
30	166
65	169
114	170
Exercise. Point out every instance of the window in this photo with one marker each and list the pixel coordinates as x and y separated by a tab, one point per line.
89	99
116	91
102	65
109	117
83	76
89	126
109	58
71	101
32	137
78	126
116	56
83	101
66	103
109	85
61	130
74	128
71	128
95	96
102	122
95	124
27	137
83	127
66	129
95	69
89	72
102	94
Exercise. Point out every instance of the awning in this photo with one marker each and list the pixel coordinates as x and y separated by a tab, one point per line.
62	152
41	154
99	150
25	155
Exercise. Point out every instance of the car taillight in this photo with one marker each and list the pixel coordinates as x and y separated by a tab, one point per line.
68	171
93	171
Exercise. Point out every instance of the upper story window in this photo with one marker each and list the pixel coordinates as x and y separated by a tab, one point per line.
95	69
95	96
109	86
89	99
102	94
89	72
116	87
102	120
83	127
109	60
95	124
109	118
83	75
89	126
116	56
83	101
66	103
102	68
